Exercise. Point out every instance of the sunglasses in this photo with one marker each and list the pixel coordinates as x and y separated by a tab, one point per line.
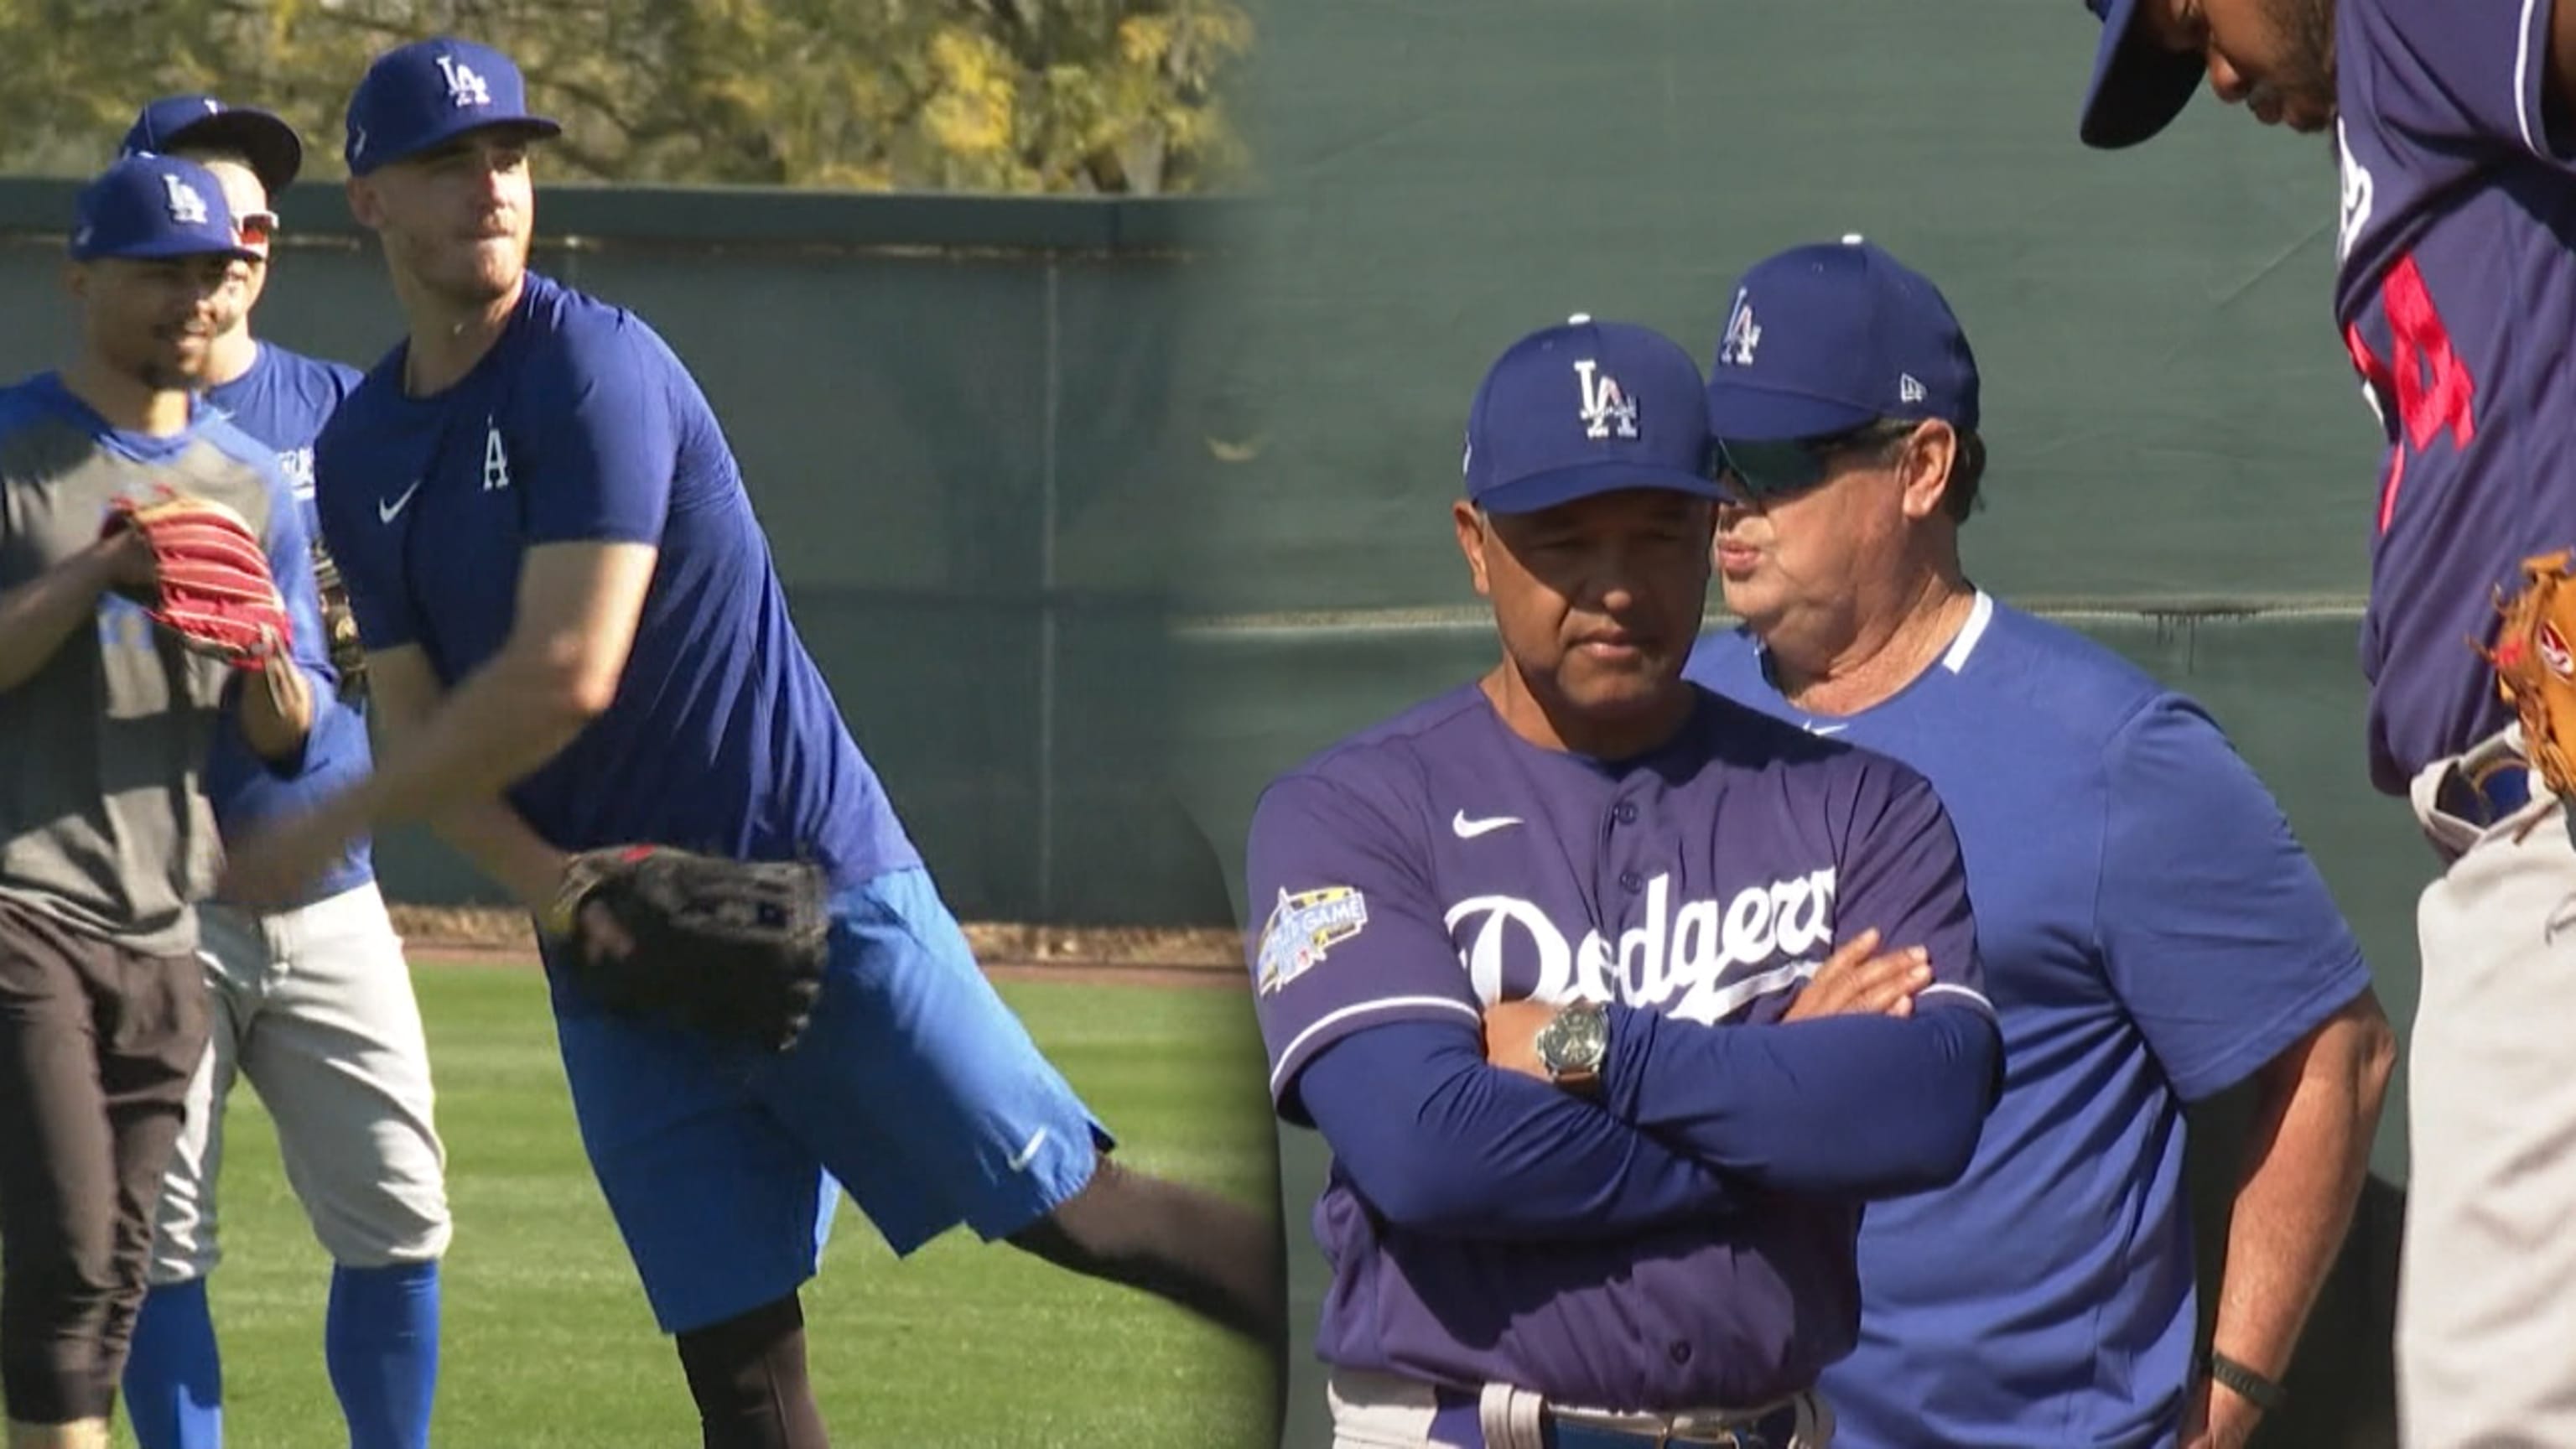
255	228
1761	471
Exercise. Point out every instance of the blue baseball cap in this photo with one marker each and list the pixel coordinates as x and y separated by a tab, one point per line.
175	123
1828	337
422	95
2138	86
151	207
1583	408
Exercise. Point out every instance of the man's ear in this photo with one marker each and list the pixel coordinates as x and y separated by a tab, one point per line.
1475	535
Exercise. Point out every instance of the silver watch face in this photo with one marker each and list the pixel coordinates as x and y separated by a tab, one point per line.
1575	1039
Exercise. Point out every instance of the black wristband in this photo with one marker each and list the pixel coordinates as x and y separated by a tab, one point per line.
2256	1389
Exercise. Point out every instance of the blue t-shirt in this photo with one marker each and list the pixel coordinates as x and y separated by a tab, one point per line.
580	424
282	403
2152	933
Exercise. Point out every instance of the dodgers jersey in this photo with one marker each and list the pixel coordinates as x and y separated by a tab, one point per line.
1438	863
104	822
2151	934
2455	293
580	424
282	402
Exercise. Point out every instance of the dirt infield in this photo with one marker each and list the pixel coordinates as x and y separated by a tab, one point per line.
1107	955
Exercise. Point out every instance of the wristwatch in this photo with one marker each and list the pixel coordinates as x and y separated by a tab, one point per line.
1574	1044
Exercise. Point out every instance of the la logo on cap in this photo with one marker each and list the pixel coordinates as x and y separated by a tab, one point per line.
186	207
1606	405
1735	349
464	86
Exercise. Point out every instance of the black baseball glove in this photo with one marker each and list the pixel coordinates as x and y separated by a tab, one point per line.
731	948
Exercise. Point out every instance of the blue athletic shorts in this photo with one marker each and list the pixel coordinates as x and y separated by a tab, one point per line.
915	1088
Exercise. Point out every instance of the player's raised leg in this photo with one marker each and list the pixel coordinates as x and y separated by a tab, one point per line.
911	1040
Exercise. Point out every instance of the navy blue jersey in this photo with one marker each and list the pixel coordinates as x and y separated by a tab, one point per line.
1438	864
282	403
2454	287
580	424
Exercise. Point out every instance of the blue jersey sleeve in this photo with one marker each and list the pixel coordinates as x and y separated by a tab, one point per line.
2463	70
1345	930
1440	1142
2219	934
598	440
1901	871
290	562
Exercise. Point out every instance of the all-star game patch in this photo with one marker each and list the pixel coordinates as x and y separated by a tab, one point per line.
1303	927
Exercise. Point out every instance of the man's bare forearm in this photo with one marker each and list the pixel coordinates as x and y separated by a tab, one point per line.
2305	1161
275	709
505	847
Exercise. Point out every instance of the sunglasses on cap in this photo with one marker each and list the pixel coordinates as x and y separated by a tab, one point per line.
1758	471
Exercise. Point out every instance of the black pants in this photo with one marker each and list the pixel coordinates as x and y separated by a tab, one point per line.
97	1047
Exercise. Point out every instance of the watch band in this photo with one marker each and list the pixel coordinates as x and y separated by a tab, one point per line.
2256	1389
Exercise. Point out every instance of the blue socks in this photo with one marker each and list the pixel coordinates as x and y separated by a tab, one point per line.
381	1342
174	1382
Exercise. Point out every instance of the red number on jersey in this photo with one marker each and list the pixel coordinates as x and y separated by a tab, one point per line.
2433	390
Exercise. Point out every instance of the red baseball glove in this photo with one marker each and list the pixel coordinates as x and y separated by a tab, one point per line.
215	590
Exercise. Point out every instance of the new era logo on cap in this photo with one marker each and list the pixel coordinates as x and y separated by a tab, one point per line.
420	96
1849	335
1583	408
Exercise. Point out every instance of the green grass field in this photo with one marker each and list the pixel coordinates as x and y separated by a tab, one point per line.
548	1344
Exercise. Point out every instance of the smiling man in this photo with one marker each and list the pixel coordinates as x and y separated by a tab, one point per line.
2454	289
1536	964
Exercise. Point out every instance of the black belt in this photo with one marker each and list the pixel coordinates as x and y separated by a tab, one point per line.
1455	1421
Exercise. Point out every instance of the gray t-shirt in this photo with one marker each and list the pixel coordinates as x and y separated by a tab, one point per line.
103	816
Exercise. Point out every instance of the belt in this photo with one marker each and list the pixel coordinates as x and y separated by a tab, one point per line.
1455	1422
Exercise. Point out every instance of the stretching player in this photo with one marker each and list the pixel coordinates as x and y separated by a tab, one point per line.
105	840
2454	289
313	1003
1637	1218
2151	931
643	683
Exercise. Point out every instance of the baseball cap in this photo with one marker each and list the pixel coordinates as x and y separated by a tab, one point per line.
1582	408
2138	86
175	123
154	206
1832	336
425	94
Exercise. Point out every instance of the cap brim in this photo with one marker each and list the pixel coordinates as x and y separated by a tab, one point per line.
166	248
539	127
2138	88
1761	415
276	153
1541	491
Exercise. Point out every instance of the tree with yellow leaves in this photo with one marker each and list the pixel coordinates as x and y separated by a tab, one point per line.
1032	96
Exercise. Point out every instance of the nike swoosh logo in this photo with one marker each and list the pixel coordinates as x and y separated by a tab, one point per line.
388	512
1469	829
1816	729
1026	1155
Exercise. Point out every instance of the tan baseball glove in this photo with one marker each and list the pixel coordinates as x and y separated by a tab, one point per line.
2535	669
